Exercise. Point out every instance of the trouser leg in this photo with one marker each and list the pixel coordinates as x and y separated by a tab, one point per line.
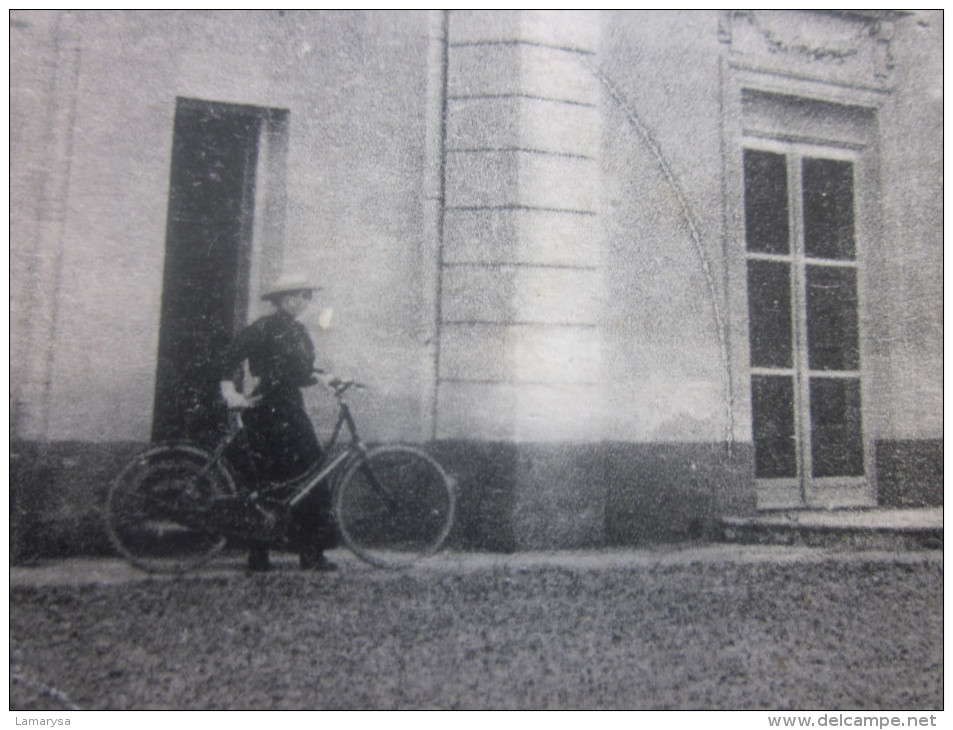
258	556
284	444
311	528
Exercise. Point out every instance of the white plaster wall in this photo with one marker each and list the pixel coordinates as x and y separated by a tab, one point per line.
912	191
358	221
666	363
666	366
31	82
355	85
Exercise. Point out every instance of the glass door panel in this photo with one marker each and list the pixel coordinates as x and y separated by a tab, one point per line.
769	313
766	202
803	323
832	337
837	444
828	208
775	438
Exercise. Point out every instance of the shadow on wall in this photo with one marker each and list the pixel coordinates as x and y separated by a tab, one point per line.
665	492
910	473
57	492
511	496
485	474
567	496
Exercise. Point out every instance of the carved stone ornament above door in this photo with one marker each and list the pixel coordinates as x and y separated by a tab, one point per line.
848	47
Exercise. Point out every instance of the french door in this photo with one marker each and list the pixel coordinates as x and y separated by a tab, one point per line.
805	341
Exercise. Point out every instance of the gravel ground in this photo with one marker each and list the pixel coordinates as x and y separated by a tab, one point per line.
841	634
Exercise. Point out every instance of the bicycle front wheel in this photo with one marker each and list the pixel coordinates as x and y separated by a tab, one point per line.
159	510
394	506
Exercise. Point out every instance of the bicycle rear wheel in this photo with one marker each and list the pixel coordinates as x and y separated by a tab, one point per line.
394	506
159	508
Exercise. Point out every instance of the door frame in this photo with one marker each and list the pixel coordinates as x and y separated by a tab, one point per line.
740	131
259	221
807	490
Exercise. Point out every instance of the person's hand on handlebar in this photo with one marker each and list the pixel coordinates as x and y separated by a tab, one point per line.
334	383
234	399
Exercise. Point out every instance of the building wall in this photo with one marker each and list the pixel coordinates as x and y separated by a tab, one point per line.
863	63
913	205
355	85
668	365
520	349
910	432
526	225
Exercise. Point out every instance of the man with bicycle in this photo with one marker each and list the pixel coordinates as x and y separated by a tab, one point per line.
282	443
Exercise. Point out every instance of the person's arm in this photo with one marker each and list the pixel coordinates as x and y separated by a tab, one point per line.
292	363
232	360
328	380
233	398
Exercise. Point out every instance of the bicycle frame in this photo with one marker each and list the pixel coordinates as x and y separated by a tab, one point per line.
354	447
391	503
306	483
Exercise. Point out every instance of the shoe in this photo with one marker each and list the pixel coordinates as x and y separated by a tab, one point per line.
317	563
258	561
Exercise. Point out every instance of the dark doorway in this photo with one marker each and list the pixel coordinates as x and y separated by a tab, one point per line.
208	242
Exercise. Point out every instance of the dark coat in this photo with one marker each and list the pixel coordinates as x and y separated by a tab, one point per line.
280	434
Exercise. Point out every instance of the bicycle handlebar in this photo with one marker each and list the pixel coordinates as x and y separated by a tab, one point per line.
337	387
343	386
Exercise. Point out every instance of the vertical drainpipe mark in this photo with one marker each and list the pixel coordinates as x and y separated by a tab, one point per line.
57	274
441	208
655	148
725	244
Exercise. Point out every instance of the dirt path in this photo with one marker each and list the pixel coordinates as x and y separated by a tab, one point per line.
779	629
114	571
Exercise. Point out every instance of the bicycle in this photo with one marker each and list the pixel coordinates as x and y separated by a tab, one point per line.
174	506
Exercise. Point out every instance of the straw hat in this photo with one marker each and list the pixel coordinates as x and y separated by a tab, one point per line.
287	284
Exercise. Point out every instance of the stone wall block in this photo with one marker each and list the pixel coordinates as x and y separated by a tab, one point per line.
559	239
563	28
546	354
483	124
474	353
577	29
483	294
554	73
569	129
559	183
482	179
483	70
520	353
480	236
558	296
474	412
521	236
475	26
559	412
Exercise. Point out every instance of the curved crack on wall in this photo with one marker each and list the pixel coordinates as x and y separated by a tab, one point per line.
654	147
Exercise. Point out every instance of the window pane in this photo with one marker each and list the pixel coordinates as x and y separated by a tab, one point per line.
832	338
775	449
828	208
766	202
769	313
837	447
